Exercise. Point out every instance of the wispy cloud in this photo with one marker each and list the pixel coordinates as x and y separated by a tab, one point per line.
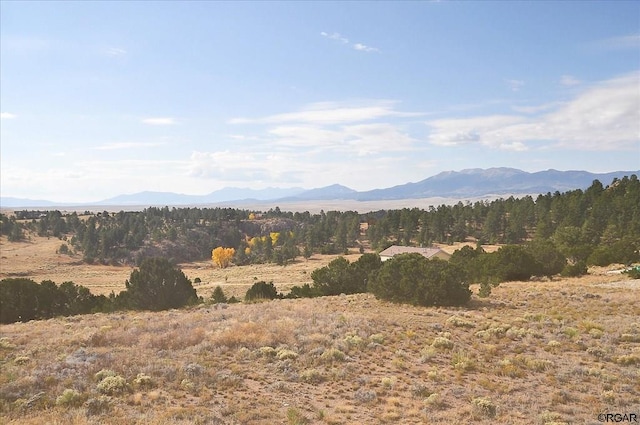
116	51
336	36
159	121
604	117
242	166
127	145
631	41
569	80
515	85
333	113
320	140
535	108
7	116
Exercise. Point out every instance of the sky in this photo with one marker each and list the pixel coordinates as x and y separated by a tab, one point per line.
99	99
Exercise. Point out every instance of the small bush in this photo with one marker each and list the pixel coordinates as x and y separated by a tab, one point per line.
311	376
294	417
103	374
333	355
218	296
460	322
628	360
633	273
98	406
483	407
377	338
112	385
284	354
69	397
364	396
442	342
22	360
261	291
574	270
434	400
267	351
143	381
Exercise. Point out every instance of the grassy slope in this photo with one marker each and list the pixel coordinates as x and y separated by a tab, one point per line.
537	352
534	353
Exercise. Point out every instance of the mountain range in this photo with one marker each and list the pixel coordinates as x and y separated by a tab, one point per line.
452	184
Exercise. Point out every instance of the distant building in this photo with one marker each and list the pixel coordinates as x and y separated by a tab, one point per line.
430	252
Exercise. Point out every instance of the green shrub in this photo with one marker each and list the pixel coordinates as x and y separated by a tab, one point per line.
574	270
158	285
411	278
218	296
261	291
70	397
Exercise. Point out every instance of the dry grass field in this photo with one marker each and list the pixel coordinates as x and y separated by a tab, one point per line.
533	353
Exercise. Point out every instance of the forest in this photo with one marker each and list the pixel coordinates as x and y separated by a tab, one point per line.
599	225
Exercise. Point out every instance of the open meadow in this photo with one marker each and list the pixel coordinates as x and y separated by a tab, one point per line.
560	351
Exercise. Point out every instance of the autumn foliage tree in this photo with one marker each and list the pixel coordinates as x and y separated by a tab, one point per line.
222	256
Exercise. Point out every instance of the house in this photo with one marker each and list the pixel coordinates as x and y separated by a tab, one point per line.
429	252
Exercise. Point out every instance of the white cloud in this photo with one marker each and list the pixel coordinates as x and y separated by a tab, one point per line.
127	145
343	40
335	36
365	48
361	139
334	127
515	85
569	80
535	108
159	121
240	166
604	117
7	116
333	113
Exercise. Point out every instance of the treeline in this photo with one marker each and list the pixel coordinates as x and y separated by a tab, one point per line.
156	285
600	225
189	234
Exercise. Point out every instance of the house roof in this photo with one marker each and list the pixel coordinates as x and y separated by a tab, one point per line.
396	249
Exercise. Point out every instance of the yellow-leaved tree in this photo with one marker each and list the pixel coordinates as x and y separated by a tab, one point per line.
222	256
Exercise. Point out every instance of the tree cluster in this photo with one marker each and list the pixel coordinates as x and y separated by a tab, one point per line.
407	278
156	285
600	225
22	300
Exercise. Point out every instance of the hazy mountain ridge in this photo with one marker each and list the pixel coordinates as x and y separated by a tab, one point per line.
455	184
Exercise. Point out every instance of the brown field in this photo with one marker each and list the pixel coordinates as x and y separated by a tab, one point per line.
533	353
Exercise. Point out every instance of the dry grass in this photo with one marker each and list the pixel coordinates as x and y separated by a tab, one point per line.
37	259
534	353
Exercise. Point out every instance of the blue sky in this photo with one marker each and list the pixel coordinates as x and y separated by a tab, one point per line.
100	99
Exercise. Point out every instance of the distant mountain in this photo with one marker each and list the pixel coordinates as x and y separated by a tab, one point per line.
493	181
9	202
237	194
332	192
222	195
470	183
150	198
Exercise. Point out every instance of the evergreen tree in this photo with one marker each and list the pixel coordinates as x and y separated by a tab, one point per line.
158	285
